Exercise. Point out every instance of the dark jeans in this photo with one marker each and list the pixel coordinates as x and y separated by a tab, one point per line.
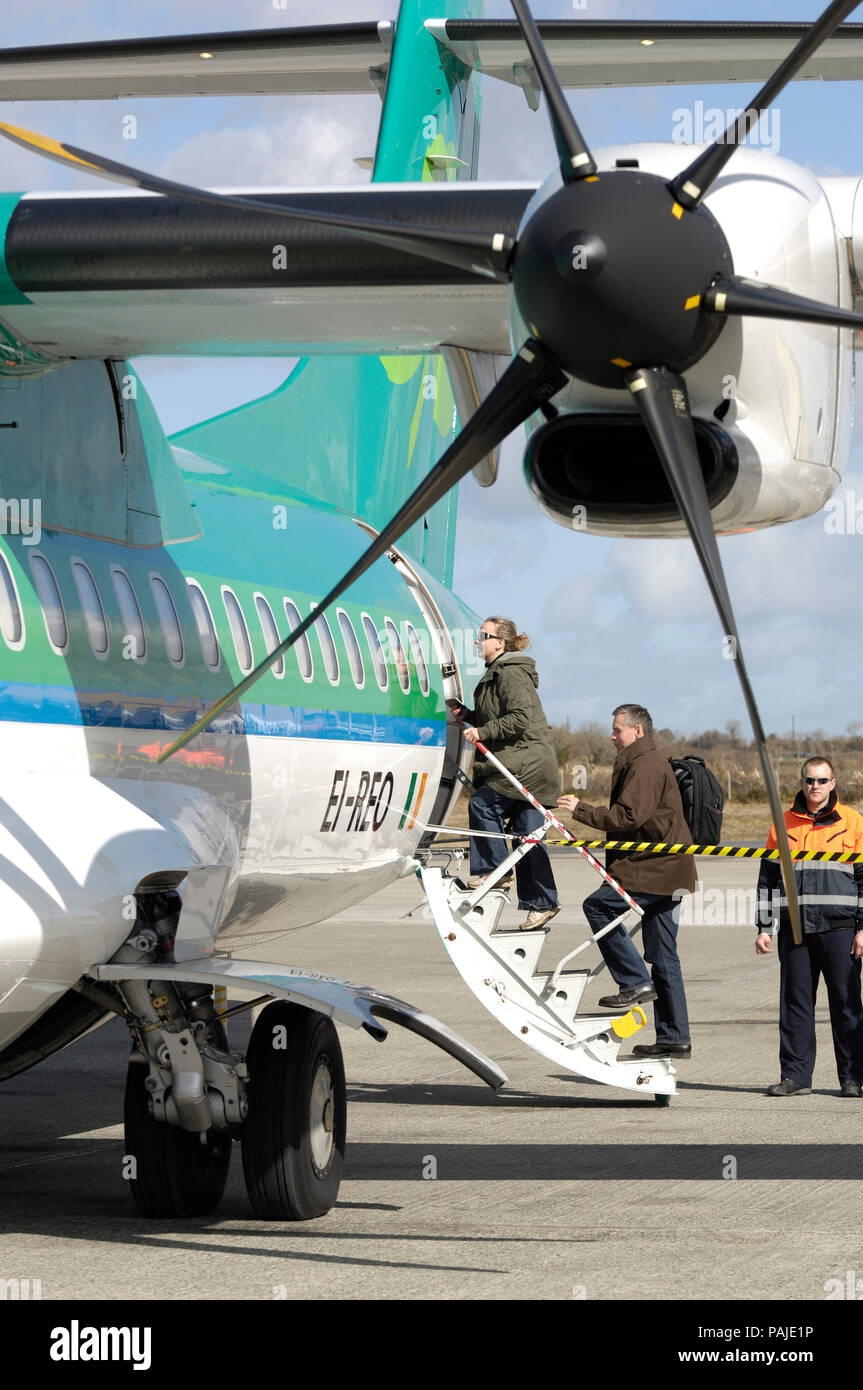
487	810
659	937
801	967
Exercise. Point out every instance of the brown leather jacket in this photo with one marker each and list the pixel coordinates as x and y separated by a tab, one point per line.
645	805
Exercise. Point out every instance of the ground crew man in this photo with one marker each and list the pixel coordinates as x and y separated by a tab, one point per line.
831	912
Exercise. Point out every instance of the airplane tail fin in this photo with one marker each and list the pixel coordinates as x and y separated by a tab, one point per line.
361	432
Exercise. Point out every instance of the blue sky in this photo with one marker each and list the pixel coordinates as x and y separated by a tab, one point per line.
610	620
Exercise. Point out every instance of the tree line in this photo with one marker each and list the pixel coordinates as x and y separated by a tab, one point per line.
585	755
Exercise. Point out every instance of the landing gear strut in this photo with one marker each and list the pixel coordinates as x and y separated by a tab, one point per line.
294	1133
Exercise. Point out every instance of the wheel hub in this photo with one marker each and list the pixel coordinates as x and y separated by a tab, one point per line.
322	1117
609	274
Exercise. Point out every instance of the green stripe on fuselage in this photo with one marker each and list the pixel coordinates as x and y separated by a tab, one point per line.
9	291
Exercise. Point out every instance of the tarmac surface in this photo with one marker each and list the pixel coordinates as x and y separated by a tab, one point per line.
554	1188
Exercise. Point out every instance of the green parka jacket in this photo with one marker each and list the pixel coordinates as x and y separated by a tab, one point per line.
511	722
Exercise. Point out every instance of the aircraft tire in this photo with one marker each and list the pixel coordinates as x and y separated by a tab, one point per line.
294	1132
175	1174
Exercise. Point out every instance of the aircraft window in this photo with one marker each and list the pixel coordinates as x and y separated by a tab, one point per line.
271	633
11	623
205	625
133	623
302	648
239	631
419	659
399	657
355	656
94	614
52	604
379	661
328	647
171	630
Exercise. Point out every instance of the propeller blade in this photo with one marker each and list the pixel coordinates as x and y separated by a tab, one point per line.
576	161
731	294
695	181
474	251
662	399
531	378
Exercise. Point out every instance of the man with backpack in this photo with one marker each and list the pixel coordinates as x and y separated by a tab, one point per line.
645	805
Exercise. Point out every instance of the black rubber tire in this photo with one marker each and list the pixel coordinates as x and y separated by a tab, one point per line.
176	1175
662	1099
283	1180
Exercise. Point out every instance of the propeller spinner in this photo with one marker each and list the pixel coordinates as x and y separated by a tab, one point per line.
609	275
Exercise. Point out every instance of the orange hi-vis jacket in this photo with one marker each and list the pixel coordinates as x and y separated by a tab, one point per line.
831	894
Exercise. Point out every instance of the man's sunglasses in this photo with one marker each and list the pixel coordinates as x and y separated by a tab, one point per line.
817	781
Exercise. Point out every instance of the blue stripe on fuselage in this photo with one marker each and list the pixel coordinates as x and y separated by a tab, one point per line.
57	704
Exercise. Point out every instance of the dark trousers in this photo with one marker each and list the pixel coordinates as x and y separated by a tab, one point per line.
659	938
487	810
828	954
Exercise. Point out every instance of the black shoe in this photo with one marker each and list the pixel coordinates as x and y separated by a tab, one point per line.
786	1087
850	1087
642	994
683	1050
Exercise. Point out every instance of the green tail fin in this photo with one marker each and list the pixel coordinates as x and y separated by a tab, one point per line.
363	431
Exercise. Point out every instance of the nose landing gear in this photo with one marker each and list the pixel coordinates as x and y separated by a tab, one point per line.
175	1173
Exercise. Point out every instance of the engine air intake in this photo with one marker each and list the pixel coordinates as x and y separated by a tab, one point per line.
607	464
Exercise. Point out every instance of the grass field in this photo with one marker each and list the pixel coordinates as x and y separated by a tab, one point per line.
743	823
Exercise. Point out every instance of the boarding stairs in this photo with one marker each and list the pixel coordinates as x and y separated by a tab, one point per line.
539	1007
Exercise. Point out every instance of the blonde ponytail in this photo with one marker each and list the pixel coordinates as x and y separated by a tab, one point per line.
514	640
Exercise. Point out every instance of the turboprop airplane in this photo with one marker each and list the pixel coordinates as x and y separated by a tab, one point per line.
155	810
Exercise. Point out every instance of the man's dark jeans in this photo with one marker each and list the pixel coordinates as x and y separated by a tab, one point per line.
488	810
659	937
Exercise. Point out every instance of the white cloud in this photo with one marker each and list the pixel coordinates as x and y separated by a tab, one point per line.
298	149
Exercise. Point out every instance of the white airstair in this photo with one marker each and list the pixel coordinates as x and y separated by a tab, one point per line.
539	1007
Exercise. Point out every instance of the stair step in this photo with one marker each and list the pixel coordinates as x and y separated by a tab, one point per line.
570	983
520	950
516	932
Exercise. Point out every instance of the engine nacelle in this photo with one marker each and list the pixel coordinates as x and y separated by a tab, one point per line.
772	401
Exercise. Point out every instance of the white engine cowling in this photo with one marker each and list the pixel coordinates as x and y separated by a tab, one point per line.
773	400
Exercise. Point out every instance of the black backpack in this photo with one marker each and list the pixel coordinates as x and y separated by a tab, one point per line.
702	799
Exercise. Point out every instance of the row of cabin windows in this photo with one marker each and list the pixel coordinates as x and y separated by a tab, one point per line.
12	627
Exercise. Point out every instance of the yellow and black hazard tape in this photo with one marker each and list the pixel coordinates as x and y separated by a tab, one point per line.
721	851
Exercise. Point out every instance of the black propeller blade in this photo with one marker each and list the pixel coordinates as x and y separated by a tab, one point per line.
731	294
532	378
576	161
662	399
476	251
695	181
